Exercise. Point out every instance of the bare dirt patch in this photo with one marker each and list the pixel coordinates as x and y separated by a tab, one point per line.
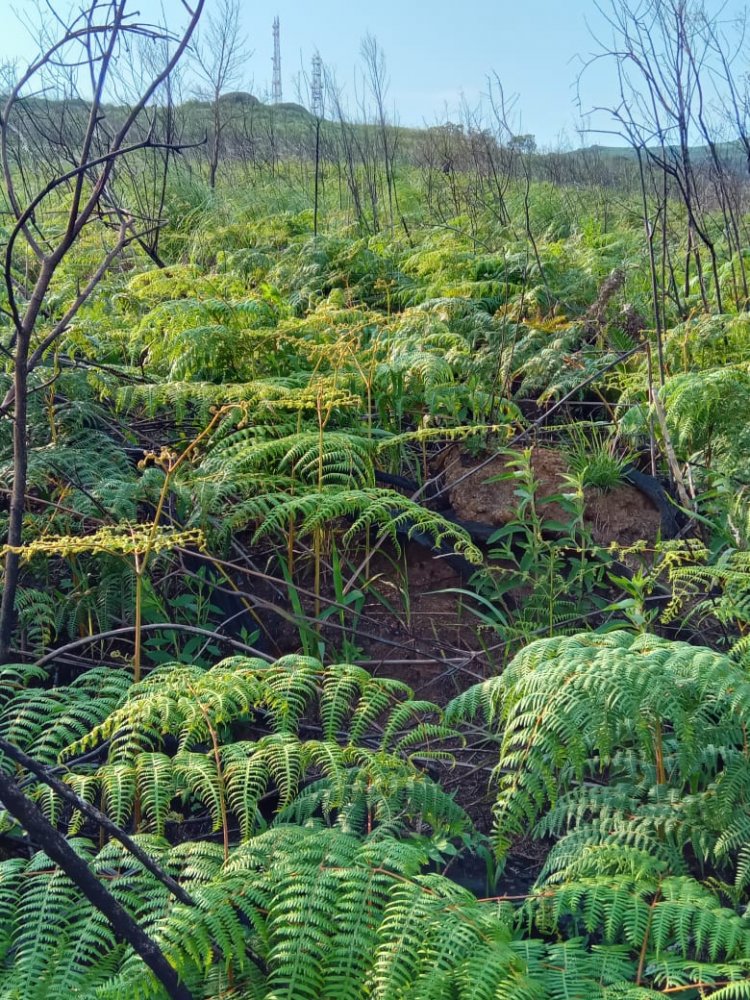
623	515
427	642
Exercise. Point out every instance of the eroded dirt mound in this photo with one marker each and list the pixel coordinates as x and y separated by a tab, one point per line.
425	636
623	515
478	498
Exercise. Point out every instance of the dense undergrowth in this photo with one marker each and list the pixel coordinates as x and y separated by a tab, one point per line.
238	455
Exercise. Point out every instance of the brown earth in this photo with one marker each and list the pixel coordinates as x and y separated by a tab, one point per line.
421	631
431	641
623	515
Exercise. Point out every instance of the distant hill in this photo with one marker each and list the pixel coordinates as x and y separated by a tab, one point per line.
255	131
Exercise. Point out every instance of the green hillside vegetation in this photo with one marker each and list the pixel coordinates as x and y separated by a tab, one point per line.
376	587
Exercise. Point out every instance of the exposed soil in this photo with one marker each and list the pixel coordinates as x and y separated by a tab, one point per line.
622	515
484	497
429	640
420	630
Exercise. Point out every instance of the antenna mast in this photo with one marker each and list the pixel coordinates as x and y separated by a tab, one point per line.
317	85
276	84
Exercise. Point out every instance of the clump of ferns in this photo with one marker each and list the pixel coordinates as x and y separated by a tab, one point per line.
257	410
707	413
207	339
421	359
329	474
101	338
299	912
707	341
77	484
460	314
475	395
66	599
621	741
74	582
678	932
549	364
137	546
184	400
368	508
236	934
271	431
43	718
215	239
198	400
246	741
308	272
443	256
39	619
372	513
367	274
307	456
324	326
488	294
300	433
711	589
64	406
271	450
150	288
89	477
251	263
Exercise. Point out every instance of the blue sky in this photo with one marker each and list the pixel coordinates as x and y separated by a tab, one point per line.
437	51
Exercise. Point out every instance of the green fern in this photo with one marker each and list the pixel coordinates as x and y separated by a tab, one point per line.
660	721
385	510
352	776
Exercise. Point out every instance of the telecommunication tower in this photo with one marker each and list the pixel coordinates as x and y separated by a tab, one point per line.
276	83
316	90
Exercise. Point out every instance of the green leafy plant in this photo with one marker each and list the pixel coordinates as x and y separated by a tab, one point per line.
619	740
594	459
544	573
230	738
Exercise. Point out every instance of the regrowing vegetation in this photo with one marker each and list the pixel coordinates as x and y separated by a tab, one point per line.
376	572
